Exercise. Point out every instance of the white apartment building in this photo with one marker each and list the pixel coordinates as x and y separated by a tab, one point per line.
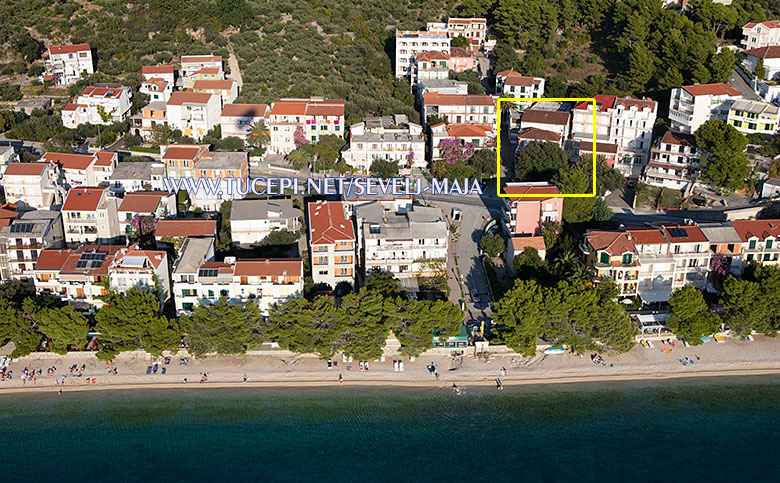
143	269
753	117
690	250
770	56
157	204
331	244
481	135
473	29
190	64
32	184
194	114
114	101
66	64
656	264
89	215
391	138
158	89
83	169
76	275
455	109
198	280
22	240
143	122
674	161
164	72
547	120
132	176
759	241
237	119
431	65
441	86
408	245
626	122
315	117
226	89
763	34
253	220
692	106
411	43
513	84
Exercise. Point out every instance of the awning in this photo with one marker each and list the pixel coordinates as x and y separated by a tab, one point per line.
650	296
409	285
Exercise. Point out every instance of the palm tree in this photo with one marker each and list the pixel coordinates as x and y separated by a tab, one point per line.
564	264
258	135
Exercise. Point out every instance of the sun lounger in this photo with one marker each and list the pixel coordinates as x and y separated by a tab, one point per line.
719	338
650	343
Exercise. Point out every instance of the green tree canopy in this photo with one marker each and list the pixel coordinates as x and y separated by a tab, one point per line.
222	328
492	245
723	154
689	319
540	162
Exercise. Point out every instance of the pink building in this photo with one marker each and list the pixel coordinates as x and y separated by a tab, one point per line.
461	59
528	213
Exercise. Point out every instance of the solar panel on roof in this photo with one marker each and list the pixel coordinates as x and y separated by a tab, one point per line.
208	272
678	233
22	227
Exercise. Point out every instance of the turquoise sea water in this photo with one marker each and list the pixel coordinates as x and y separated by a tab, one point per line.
677	431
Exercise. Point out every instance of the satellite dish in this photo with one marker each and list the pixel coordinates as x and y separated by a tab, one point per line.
627	301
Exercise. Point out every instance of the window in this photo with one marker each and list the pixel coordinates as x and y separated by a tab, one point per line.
769	244
752	245
604	257
627	259
767	256
750	257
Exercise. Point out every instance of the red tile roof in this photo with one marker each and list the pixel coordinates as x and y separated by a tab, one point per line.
155	257
645	235
201	58
25	169
679	138
433	55
157	69
184	228
522	81
328	223
555	118
761	229
178	98
69	160
268	267
508	73
52	259
305	107
142	201
104	92
213	84
604	103
245	110
83	199
105	158
469	130
71	106
587	147
71	263
712	90
770	52
181	152
68	49
549	191
436	99
772	24
539	134
460	52
692	233
612	242
520	243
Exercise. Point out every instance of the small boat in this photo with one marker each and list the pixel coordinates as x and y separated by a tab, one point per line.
554	350
705	339
750	338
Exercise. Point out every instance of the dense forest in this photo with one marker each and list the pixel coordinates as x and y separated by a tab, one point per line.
344	49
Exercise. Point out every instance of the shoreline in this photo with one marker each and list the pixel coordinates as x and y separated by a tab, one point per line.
465	382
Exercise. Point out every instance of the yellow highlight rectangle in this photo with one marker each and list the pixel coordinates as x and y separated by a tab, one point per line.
542	99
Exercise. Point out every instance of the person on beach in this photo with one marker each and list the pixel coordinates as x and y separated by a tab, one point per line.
59	393
341	379
245	378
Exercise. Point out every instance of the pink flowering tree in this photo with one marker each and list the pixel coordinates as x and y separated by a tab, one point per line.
299	137
719	270
410	157
142	225
452	151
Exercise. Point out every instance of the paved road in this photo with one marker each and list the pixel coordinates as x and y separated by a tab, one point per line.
738	83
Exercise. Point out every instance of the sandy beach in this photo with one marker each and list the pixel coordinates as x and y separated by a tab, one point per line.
276	368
